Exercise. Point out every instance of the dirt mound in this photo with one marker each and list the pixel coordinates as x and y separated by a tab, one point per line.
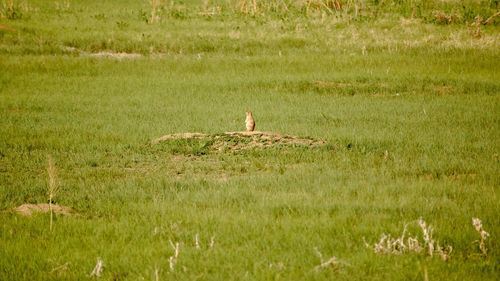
29	209
243	140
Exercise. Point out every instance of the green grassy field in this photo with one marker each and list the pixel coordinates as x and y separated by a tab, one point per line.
405	93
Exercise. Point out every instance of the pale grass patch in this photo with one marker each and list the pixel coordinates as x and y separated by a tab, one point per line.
157	273
176	247
410	35
11	9
332	262
248	7
212	242
113	55
99	267
154	11
60	269
197	241
426	274
30	209
441	17
63	5
409	22
468	39
210	10
478	225
476	27
198	244
427	233
400	245
102	54
431	245
396	246
277	266
491	18
172	261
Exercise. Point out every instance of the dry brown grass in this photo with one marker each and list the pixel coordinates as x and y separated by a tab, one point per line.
99	267
478	225
173	259
492	18
402	244
154	11
248	7
333	262
475	27
30	209
441	17
6	28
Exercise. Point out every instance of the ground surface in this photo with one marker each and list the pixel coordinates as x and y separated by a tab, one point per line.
400	99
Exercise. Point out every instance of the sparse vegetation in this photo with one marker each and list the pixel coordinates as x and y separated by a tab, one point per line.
377	113
402	244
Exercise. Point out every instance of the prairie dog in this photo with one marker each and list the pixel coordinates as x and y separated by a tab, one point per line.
250	122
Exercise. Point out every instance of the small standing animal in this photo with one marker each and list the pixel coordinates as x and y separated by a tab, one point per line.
250	122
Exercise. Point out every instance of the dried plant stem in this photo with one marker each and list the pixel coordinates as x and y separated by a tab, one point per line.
332	262
426	275
490	19
99	266
157	274
173	259
397	246
427	233
478	225
197	241
52	187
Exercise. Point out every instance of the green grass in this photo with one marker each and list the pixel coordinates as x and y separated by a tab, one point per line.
409	108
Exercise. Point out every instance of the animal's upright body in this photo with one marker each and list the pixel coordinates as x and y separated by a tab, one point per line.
250	122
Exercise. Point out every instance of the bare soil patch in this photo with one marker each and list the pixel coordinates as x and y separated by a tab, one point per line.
6	28
243	140
103	54
114	55
29	209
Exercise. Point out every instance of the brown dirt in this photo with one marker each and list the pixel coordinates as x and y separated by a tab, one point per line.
103	54
114	55
244	140
29	209
180	136
6	28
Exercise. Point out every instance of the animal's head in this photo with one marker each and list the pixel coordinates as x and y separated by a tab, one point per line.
249	113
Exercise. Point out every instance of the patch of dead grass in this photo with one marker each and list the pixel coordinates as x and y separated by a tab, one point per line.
29	209
103	54
114	55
